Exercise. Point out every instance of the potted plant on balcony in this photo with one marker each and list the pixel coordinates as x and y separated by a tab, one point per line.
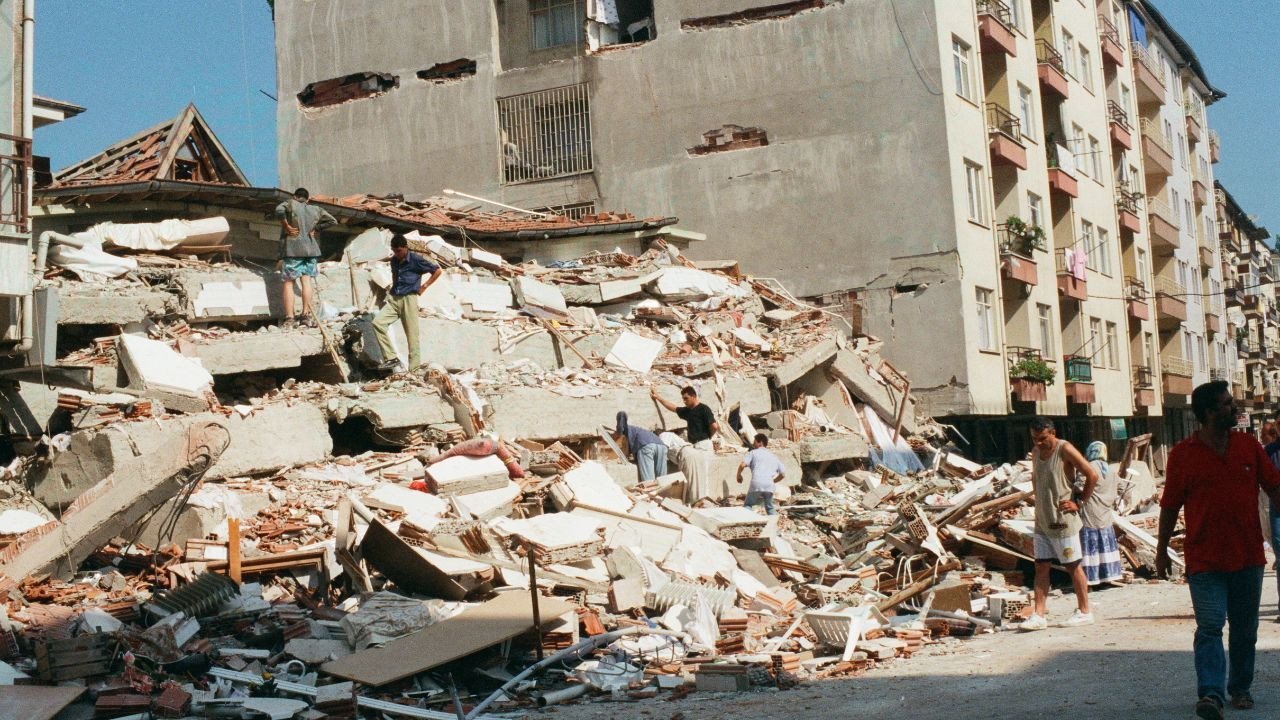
1026	238
1028	378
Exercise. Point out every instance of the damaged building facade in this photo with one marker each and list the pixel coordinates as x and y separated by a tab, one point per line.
1017	160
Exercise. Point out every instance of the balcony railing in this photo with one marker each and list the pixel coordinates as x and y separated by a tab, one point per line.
1173	365
1107	30
1143	377
1152	130
1160	206
1135	289
15	169
1166	285
1117	114
1047	54
1128	200
998	10
1077	368
1002	121
1141	55
1220	374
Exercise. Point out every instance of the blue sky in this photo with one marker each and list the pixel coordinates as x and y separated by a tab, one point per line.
133	63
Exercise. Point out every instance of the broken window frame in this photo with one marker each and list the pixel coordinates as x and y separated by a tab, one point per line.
545	134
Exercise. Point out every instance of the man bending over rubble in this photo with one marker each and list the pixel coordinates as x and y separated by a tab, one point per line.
702	425
407	269
300	221
1214	475
1054	463
766	471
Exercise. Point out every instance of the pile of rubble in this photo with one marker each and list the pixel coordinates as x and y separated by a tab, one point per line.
250	521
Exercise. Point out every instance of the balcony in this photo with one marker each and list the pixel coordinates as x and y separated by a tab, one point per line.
1177	373
15	169
1157	154
1079	376
1071	285
1135	293
1215	146
1206	257
1237	386
1212	323
1127	211
1199	192
1005	131
1163	224
1015	256
1050	68
1195	130
1121	130
1062	171
1147	75
1171	307
1112	46
1144	389
995	27
1025	382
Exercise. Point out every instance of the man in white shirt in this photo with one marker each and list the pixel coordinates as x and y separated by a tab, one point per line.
766	471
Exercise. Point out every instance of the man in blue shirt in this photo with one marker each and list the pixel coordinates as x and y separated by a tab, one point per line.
766	470
407	269
647	451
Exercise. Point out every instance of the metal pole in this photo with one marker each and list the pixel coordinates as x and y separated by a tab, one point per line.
533	595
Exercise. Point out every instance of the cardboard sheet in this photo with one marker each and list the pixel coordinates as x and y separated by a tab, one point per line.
35	702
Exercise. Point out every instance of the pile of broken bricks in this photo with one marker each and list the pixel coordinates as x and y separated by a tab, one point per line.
467	540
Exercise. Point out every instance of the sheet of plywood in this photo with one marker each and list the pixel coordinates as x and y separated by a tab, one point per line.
506	616
35	702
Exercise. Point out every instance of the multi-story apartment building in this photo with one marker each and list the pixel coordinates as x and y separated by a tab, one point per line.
1248	267
970	175
17	304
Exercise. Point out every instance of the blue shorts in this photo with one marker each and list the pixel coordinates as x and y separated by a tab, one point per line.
295	268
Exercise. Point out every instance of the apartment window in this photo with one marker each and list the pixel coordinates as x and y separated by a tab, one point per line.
986	320
1090	248
1126	104
1149	349
1140	265
1182	149
1168	133
1187	349
1077	145
1104	251
1095	158
976	184
962	57
1134	183
1095	342
1068	51
1035	212
555	23
1086	68
1201	357
545	134
1044	318
1026	111
1113	347
1191	216
1015	13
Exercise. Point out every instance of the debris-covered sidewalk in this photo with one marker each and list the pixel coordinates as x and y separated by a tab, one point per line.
225	518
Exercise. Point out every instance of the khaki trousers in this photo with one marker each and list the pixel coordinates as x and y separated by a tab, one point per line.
405	309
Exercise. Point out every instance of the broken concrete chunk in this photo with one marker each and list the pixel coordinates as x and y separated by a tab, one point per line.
463	474
590	484
153	366
539	298
634	352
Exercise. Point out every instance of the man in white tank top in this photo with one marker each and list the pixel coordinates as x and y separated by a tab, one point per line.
1057	533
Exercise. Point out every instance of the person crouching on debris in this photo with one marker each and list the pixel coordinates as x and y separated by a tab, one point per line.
766	472
646	450
1213	477
300	222
407	269
1057	527
701	422
1098	536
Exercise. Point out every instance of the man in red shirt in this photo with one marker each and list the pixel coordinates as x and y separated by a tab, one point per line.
1215	475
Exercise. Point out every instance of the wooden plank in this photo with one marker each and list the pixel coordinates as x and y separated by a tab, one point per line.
506	616
233	549
35	702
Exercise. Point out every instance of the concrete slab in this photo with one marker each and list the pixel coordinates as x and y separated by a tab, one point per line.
90	306
273	349
27	408
793	369
833	446
853	371
537	413
273	437
398	408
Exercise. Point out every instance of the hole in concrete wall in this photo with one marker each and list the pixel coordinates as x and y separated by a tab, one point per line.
357	86
631	22
449	72
756	14
730	137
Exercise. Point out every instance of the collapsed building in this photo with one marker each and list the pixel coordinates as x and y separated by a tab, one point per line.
207	513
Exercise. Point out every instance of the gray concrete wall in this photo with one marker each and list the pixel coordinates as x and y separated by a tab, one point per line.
856	170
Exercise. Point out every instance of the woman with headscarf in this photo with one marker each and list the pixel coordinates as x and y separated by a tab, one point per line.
1098	536
647	451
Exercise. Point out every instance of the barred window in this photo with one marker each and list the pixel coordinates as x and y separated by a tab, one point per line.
545	134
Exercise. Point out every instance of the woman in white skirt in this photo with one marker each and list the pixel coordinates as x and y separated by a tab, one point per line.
1098	536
